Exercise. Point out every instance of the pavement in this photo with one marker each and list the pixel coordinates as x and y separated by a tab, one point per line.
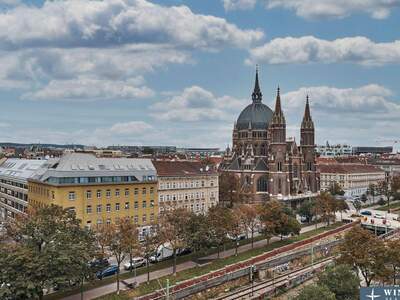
109	288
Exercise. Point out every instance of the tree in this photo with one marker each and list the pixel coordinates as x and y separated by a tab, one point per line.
325	207
133	244
363	251
315	292
197	232
172	230
357	205
336	189
307	210
250	219
53	247
288	225
392	258
219	222
342	281
389	188
118	240
270	217
372	191
150	244
341	206
229	189
235	227
364	198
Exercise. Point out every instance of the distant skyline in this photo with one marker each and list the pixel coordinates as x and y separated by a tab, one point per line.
175	72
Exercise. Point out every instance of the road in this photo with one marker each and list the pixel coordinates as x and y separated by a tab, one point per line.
109	288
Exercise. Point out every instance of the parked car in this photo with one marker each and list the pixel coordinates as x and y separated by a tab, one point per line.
163	252
99	263
184	251
137	262
366	213
111	270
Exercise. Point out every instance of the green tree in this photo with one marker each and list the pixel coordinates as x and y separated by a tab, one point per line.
336	189
325	207
364	198
197	232
372	191
392	258
315	292
59	248
219	221
229	189
150	243
307	210
341	206
342	281
363	251
357	205
270	218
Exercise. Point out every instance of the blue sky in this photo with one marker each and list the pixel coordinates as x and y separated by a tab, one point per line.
176	72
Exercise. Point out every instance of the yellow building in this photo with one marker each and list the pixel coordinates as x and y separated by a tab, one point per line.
99	190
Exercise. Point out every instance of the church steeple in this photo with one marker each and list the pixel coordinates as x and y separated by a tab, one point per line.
278	122
278	108
307	120
257	95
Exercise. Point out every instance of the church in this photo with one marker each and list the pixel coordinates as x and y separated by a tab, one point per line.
267	165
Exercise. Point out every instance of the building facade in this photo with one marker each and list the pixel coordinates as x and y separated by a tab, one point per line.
267	164
186	184
14	175
334	150
99	190
354	179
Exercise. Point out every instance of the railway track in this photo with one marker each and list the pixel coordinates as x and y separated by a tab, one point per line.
262	288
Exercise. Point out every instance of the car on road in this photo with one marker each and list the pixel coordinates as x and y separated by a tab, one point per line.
99	263
366	213
379	216
137	262
109	271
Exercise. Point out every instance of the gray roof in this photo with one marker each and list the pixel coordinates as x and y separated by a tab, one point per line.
88	165
258	115
21	168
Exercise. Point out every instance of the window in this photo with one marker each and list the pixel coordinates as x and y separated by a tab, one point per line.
108	193
117	192
212	183
126	192
151	190
136	205
262	184
151	203
108	207
117	206
71	196
89	209
136	191
108	222
309	167
161	198
144	219
151	217
279	166
144	204
144	191
197	207
98	208
136	219
89	194
98	193
126	205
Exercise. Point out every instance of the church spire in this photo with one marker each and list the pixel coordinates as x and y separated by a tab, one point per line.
278	108
257	95
307	120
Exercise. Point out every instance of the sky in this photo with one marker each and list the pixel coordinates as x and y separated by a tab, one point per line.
177	72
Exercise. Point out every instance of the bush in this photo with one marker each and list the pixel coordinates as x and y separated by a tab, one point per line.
381	201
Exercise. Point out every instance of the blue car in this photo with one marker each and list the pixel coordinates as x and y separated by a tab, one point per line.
111	270
366	213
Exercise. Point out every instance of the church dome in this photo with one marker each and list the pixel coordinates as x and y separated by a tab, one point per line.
257	115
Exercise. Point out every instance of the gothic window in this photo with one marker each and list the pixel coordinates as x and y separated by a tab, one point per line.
247	179
262	184
295	170
279	186
263	150
309	166
279	166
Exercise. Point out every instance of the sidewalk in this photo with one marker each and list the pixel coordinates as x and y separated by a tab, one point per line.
109	288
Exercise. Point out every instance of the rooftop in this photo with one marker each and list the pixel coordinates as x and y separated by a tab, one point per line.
21	168
348	168
183	168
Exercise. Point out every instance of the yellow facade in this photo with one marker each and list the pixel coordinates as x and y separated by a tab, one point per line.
100	203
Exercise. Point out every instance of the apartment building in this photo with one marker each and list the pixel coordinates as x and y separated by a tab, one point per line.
14	175
99	190
186	184
354	179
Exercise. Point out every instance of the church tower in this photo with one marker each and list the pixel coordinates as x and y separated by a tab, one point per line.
307	146
278	164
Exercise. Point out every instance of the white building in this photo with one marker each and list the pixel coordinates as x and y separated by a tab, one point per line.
186	184
354	179
334	150
14	175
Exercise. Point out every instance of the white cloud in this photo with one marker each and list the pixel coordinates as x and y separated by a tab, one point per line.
81	23
352	115
309	49
134	127
83	88
322	9
197	104
238	4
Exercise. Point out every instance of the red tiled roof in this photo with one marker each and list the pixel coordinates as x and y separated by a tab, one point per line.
182	168
347	168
